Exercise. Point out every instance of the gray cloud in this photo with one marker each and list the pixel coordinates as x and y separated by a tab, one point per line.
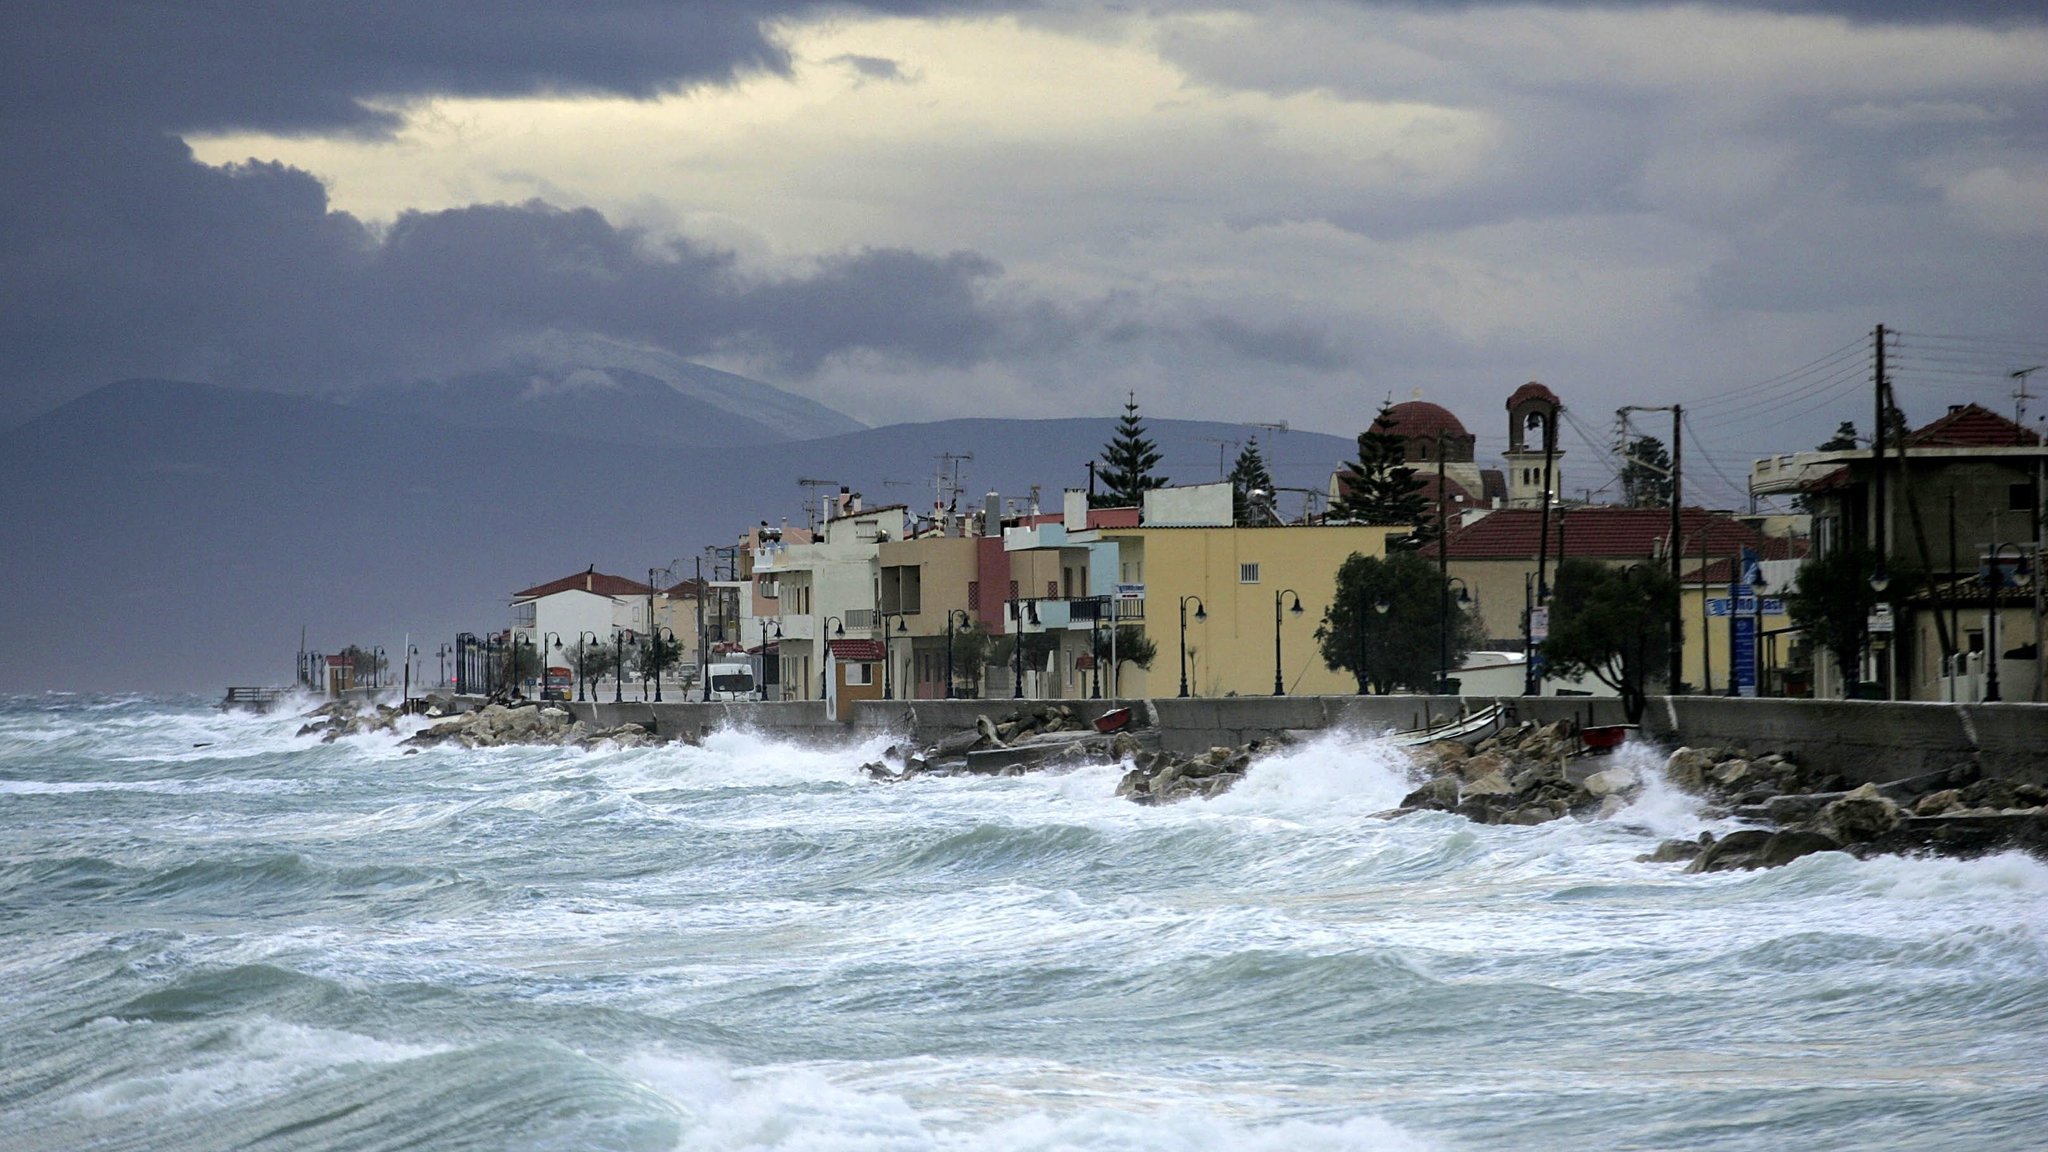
120	255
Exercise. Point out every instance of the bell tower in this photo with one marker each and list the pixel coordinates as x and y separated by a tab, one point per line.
1532	453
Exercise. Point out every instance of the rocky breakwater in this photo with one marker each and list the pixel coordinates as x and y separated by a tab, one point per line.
1532	775
1528	774
1028	739
341	718
1957	812
1166	778
496	724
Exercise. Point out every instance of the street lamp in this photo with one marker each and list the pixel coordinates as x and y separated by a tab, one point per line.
1017	610
441	658
662	650
583	648
838	629
1443	625
966	621
1879	581
1279	685
888	692
377	666
1201	614
1994	581
619	664
545	648
1379	606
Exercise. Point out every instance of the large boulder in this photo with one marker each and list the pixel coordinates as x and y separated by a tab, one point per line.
1614	781
1688	768
1440	793
1860	815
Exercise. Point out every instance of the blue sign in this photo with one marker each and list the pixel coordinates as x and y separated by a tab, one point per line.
1743	655
1722	606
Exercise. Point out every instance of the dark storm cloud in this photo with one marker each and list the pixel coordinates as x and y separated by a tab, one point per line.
1294	345
121	255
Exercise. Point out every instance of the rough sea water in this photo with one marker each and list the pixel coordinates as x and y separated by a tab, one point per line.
216	935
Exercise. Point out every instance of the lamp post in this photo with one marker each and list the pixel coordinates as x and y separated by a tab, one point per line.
546	648
888	692
1379	607
965	620
377	666
618	665
838	629
1201	614
1994	581
1095	646
1443	627
662	650
1280	685
583	648
1016	649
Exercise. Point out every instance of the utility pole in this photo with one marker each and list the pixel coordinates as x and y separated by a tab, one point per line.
1877	527
1677	549
2020	395
1674	548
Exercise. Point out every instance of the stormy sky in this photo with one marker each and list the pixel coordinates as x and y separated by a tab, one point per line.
910	210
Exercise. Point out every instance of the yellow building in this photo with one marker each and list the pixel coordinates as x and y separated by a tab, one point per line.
1234	575
1706	609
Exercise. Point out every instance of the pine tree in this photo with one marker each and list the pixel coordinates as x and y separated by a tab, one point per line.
1248	475
1127	462
1379	487
1646	478
1844	439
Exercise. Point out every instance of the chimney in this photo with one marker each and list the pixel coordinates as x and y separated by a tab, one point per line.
1075	508
992	514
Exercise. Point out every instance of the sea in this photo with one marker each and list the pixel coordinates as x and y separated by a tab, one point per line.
217	934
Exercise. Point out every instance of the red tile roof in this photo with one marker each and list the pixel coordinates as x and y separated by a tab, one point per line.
591	580
1599	532
1532	391
858	651
1972	426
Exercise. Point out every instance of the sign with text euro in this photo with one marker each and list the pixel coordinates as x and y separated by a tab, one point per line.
1721	606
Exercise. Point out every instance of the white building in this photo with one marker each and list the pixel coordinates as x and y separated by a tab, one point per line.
824	590
559	614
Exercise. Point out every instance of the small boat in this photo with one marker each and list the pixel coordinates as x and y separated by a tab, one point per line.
1477	724
1605	738
1114	720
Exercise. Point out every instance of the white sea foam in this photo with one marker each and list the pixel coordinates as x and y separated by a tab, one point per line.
1336	775
250	1060
802	1110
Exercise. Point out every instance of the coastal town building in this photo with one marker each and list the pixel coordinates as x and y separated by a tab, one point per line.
1956	505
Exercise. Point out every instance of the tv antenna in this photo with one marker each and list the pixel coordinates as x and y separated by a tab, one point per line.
814	503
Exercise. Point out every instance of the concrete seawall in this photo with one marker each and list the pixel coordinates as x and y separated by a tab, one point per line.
1861	740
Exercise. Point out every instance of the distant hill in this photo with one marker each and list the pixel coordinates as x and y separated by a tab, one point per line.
174	536
602	389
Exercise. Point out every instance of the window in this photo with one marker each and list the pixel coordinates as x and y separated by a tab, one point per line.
2019	498
860	675
1247	573
974	595
1052	589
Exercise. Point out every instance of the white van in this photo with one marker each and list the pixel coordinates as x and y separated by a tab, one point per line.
732	680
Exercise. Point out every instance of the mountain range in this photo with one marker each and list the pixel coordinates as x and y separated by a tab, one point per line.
166	535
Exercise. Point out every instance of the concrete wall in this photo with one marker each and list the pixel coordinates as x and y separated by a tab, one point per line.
1863	740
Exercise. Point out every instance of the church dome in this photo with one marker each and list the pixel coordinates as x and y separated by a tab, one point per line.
1419	423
